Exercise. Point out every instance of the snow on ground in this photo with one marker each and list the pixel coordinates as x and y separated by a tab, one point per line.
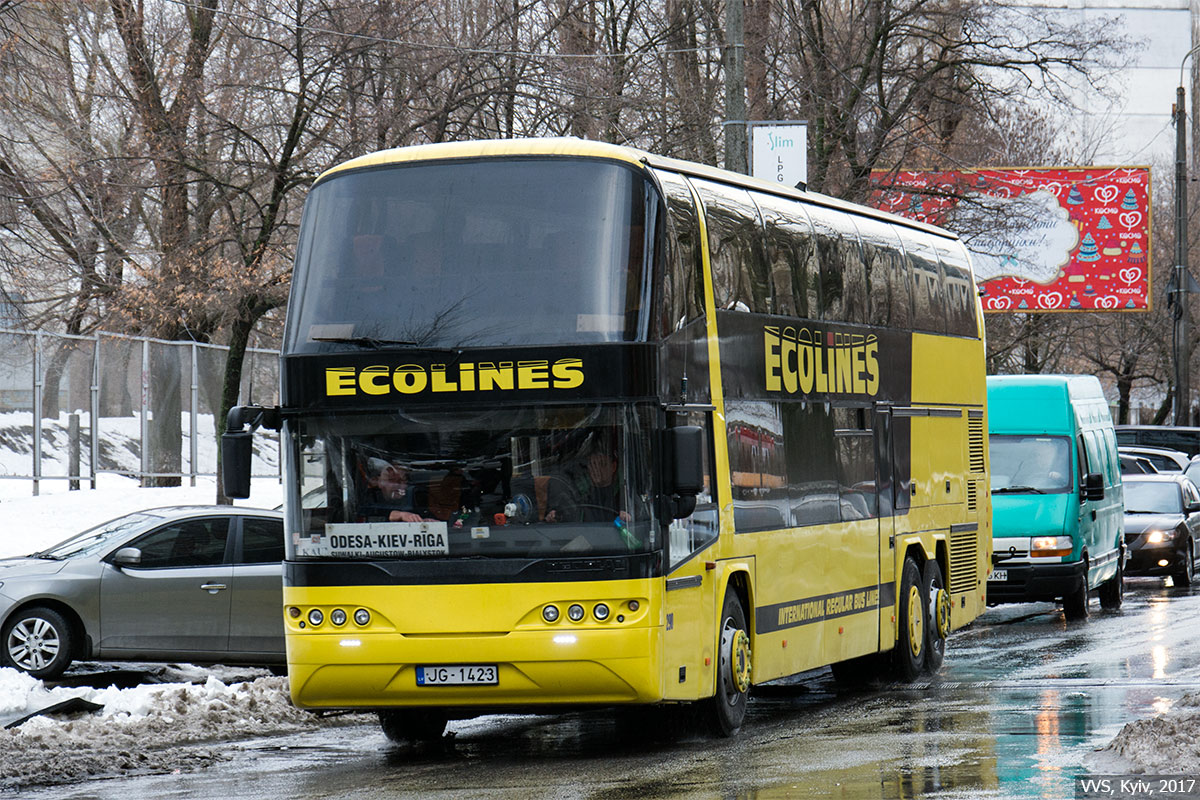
1165	744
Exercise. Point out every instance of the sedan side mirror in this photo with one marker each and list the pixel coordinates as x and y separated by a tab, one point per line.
1093	486
127	557
1191	508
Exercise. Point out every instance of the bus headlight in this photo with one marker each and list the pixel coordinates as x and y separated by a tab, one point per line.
601	611
1051	546
550	613
575	612
337	617
315	617
1158	537
362	617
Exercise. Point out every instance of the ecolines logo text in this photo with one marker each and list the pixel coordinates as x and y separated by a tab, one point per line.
486	376
804	360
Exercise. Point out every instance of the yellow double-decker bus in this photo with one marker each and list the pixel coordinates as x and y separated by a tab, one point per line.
569	424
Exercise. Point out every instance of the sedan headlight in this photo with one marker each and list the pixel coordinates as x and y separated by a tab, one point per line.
1051	546
1158	537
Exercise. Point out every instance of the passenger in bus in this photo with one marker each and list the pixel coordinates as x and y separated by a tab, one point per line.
594	494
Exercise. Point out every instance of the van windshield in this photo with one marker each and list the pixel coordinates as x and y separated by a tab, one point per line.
1030	464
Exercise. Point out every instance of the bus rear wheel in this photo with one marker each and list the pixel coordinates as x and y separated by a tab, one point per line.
937	616
727	708
909	658
412	725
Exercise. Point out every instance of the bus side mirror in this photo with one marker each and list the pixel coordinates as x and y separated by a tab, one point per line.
236	449
237	446
1093	486
687	468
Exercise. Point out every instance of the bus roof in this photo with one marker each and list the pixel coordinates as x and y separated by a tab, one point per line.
585	148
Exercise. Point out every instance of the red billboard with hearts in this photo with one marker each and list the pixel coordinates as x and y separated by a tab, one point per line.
1041	238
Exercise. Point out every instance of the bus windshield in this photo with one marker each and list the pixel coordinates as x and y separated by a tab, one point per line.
471	252
507	483
1030	464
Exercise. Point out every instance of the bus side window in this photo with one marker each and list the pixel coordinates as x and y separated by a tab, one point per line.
854	442
687	536
741	279
929	313
808	441
960	300
757	466
682	290
887	274
789	244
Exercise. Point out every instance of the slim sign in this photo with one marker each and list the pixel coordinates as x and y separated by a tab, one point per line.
779	152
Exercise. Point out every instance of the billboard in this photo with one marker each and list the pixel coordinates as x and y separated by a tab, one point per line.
1041	238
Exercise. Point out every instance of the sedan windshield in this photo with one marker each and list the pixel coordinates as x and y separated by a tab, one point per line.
1152	497
512	483
1030	464
96	539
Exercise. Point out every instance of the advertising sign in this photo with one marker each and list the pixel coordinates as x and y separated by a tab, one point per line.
1041	238
779	152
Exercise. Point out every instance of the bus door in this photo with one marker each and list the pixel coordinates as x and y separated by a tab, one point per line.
851	610
892	496
690	600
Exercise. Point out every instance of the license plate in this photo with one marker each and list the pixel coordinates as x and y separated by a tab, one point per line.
998	575
458	675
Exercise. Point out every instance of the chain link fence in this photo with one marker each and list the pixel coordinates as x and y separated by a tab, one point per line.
74	407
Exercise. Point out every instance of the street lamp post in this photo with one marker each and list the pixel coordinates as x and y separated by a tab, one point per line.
1181	281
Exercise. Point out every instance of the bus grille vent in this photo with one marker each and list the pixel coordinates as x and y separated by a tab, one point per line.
975	444
963	546
972	496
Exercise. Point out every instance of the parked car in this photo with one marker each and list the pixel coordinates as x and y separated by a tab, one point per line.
1175	437
189	583
1164	459
1136	465
1192	470
1162	519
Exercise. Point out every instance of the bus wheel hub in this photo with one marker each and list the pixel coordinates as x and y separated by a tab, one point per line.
735	659
916	628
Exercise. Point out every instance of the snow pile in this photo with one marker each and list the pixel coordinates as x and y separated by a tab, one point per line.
149	728
1167	744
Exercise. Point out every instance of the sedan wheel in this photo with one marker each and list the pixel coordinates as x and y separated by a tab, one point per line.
1187	570
38	641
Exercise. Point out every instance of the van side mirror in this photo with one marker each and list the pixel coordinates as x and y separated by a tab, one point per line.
1093	486
685	444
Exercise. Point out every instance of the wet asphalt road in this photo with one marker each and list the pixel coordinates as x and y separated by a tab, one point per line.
1022	702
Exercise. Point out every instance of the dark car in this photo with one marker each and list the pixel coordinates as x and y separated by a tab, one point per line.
1162	518
1164	459
195	583
1173	436
1136	465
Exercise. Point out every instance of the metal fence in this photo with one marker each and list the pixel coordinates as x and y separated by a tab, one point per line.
74	407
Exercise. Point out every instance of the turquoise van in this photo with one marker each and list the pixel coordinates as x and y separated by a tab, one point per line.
1057	502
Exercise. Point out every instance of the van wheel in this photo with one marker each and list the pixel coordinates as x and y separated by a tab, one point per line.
909	654
937	616
410	725
727	708
1112	591
1075	604
1187	571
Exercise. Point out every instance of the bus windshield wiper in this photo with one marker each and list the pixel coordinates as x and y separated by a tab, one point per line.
363	341
1018	490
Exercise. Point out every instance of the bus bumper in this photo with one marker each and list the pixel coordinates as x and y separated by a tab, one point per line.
533	669
1029	583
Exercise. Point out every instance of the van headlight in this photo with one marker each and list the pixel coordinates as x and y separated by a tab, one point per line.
1051	546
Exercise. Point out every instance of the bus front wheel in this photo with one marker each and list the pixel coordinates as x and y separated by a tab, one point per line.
727	708
910	641
412	725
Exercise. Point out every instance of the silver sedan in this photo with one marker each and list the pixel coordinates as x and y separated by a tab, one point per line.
186	583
